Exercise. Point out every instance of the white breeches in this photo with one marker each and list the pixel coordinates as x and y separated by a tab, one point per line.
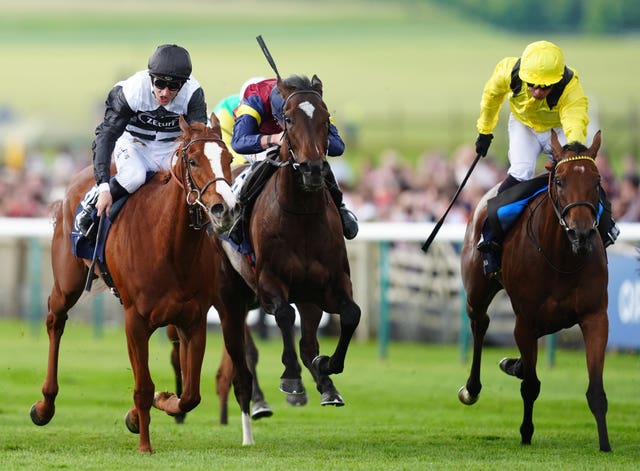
135	157
525	145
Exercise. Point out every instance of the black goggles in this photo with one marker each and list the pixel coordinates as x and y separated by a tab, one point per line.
539	87
161	84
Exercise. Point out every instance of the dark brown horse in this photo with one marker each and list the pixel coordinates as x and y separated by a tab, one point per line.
167	270
554	270
300	253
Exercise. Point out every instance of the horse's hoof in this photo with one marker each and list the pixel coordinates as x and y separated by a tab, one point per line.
35	418
179	418
133	427
511	366
331	398
292	386
321	364
297	399
260	410
465	397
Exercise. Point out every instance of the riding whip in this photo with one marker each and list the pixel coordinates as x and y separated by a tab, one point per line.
438	225
267	54
87	285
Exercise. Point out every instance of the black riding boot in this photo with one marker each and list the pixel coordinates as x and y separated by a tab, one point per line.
607	225
349	220
84	220
489	244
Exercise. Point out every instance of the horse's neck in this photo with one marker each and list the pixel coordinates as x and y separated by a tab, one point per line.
174	216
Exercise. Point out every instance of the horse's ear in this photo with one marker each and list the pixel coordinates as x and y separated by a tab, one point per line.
215	123
595	145
184	126
316	84
556	148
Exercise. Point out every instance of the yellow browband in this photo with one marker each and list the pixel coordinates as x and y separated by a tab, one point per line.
576	157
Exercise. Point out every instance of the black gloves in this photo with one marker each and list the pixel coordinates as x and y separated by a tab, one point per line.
482	144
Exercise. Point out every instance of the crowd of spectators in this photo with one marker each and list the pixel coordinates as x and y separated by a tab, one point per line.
392	190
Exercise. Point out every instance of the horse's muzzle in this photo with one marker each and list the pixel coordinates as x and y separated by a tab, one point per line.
222	218
581	241
313	174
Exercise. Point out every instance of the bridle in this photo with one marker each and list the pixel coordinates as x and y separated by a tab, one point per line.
198	212
562	211
292	160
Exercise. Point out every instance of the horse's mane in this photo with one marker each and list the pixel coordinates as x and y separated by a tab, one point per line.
298	82
575	146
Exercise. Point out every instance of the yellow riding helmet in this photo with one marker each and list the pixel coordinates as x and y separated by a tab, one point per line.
542	63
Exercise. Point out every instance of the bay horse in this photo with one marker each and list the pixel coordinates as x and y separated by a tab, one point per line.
166	268
554	269
300	253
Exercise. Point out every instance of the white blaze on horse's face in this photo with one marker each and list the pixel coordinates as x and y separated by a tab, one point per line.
213	151
579	168
308	108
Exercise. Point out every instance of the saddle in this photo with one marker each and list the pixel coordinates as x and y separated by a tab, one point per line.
83	247
238	235
504	209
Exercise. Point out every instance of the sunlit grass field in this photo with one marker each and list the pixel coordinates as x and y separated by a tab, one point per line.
401	413
404	75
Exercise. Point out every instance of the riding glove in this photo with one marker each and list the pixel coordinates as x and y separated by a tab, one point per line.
482	144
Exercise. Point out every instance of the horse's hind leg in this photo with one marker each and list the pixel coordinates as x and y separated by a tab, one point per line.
479	320
70	275
259	408
310	316
595	333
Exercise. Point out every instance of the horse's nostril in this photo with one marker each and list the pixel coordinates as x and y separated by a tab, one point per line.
217	209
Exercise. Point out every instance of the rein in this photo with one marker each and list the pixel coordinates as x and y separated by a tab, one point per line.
198	212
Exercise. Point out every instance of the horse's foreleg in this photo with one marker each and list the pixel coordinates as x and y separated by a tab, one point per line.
595	332
469	393
310	316
530	385
192	356
291	379
224	376
349	320
138	418
172	334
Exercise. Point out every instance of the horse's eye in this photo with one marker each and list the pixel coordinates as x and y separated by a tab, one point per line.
192	163
557	181
288	120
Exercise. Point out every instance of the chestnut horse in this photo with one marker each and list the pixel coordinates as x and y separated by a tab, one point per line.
224	377
554	269
300	253
166	269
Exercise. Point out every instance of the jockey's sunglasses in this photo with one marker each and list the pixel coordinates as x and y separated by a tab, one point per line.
539	87
161	84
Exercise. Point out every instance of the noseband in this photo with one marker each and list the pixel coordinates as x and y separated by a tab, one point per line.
198	214
561	212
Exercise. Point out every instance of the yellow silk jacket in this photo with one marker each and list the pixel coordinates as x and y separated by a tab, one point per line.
570	112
